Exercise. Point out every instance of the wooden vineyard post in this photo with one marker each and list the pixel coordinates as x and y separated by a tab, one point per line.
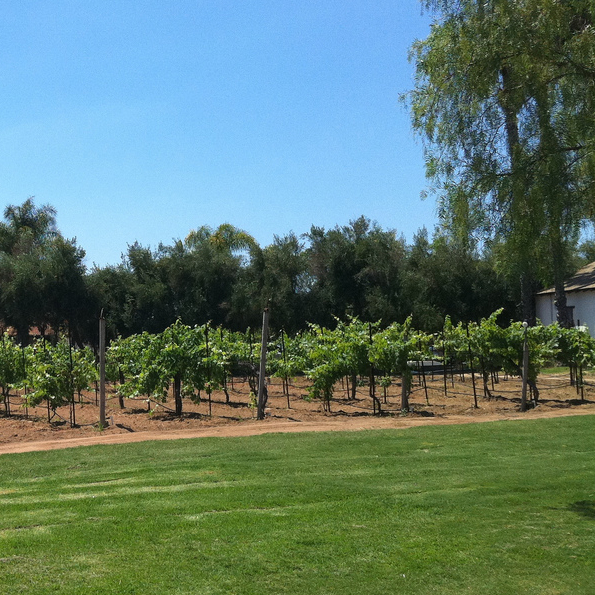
25	386
405	392
262	396
525	368
285	378
423	373
444	363
71	385
372	388
471	369
405	384
208	370
102	422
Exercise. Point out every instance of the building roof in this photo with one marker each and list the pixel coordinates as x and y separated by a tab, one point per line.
582	280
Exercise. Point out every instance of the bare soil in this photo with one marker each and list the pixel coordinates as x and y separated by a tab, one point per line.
29	430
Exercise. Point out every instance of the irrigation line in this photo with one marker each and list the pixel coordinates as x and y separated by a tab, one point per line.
149	401
540	387
56	414
420	388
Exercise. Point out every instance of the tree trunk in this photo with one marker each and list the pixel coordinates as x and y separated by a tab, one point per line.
563	312
528	299
522	257
120	396
557	202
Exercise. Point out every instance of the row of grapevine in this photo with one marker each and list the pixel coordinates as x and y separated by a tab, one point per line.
56	374
195	361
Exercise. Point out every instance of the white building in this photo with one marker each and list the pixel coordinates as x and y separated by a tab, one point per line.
580	296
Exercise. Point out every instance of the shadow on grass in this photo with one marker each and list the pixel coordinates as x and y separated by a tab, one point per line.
585	508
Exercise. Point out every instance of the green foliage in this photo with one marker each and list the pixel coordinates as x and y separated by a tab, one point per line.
575	346
198	358
324	362
12	367
397	345
84	369
56	372
504	99
128	357
41	273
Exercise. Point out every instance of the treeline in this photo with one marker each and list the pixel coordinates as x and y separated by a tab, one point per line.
224	277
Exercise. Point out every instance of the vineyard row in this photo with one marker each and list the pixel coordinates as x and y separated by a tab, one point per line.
195	361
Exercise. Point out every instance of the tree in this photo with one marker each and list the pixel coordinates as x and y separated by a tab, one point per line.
443	278
193	280
111	289
286	282
219	256
504	97
26	226
356	271
151	304
41	273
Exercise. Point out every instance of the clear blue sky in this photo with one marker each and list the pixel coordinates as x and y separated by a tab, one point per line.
141	120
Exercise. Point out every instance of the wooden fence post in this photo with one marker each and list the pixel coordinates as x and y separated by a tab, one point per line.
525	367
262	396
102	421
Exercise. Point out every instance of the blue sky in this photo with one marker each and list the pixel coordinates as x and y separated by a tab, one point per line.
141	120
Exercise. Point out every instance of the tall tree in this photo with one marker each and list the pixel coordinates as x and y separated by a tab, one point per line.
356	271
219	256
287	282
41	273
443	278
504	98
27	226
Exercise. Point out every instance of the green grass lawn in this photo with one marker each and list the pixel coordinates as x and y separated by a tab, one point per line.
563	371
556	370
502	508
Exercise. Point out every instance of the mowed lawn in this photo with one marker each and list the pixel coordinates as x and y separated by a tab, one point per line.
502	508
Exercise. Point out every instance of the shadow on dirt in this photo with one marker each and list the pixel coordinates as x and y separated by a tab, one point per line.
123	427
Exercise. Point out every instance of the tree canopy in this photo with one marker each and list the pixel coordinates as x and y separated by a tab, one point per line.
41	273
504	100
223	277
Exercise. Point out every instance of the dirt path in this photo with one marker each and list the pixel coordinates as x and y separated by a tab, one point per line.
252	428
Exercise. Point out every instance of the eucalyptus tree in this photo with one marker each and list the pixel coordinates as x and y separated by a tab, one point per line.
504	97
